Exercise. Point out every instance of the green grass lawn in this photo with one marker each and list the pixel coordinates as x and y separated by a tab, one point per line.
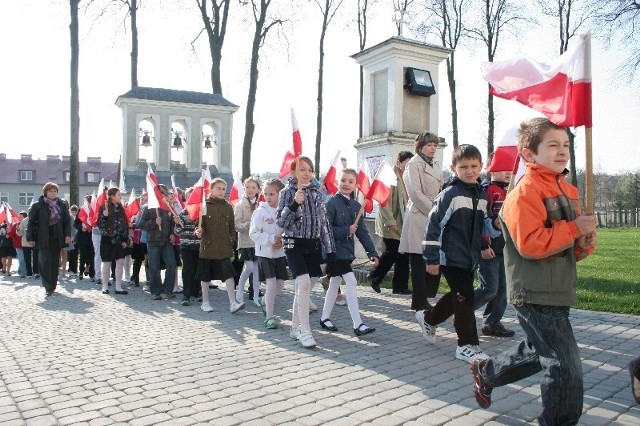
608	280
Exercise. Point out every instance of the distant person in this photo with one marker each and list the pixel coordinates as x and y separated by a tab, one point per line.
389	226
246	247
267	236
50	229
423	180
27	249
84	245
452	245
545	235
114	227
190	253
7	250
492	290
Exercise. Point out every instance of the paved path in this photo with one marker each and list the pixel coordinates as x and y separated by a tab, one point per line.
81	357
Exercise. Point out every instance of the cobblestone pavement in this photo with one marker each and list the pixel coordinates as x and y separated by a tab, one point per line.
81	357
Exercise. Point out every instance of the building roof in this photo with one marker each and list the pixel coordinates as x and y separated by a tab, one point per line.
170	95
52	170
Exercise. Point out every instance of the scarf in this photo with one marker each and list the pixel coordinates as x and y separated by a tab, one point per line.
55	210
429	160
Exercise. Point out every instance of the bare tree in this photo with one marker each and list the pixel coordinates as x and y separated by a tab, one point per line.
622	20
74	188
449	29
263	24
328	8
400	9
216	28
498	16
363	9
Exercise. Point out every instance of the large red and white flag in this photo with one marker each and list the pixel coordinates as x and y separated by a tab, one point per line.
97	202
84	213
380	190
561	90
8	214
330	178
237	191
364	184
179	204
196	204
153	178
133	205
505	153
296	150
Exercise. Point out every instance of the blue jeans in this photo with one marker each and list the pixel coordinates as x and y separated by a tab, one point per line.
549	347
22	267
166	254
492	290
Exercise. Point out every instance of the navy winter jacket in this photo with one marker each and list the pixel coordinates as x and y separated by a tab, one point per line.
342	212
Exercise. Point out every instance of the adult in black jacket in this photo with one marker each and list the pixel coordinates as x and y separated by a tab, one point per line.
50	228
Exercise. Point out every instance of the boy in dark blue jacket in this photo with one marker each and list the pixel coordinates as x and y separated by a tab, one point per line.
342	211
453	242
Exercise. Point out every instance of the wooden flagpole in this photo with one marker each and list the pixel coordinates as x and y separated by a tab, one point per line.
588	171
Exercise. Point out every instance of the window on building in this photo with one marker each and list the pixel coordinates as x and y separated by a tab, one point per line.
4	197
67	176
24	198
93	177
26	175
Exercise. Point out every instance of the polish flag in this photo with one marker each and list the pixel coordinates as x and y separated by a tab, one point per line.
364	184
151	176
196	204
330	178
133	205
84	213
237	191
97	202
179	203
296	151
380	190
8	214
561	90
505	154
153	200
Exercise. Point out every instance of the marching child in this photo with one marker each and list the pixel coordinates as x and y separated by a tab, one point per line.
303	217
342	210
246	247
267	236
218	235
452	244
113	225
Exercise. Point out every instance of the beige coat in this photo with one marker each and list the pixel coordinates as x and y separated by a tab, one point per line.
393	212
243	213
423	184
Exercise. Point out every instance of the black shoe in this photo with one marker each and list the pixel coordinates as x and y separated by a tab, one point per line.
403	291
122	292
49	293
170	295
178	292
376	287
105	291
362	331
323	324
136	284
80	277
481	391
98	281
185	301
497	330
36	276
156	297
213	286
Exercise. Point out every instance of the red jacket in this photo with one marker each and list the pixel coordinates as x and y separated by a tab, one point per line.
17	239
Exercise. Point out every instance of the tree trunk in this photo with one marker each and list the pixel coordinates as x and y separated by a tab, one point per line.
74	189
320	88
452	94
215	27
491	128
572	157
134	43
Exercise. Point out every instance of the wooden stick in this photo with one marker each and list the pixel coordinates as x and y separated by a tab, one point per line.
588	172
157	216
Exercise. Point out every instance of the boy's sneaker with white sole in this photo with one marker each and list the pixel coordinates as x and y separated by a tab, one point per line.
470	352
236	306
428	331
206	307
306	339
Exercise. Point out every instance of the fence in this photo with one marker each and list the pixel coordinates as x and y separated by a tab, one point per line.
618	218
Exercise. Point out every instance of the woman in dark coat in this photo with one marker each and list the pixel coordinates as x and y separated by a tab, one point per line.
50	228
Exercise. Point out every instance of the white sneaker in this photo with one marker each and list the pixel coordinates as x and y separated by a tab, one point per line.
428	331
236	306
206	307
294	333
306	339
312	307
470	352
240	296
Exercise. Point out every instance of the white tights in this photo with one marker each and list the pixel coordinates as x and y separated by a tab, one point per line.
106	274
300	319
351	296
274	287
229	284
249	267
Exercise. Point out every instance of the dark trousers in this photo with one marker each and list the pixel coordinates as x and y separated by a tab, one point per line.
550	347
458	302
135	276
35	260
387	260
158	254
48	263
190	284
86	259
72	259
27	251
424	285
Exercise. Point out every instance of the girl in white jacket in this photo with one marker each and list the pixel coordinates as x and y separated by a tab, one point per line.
267	236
